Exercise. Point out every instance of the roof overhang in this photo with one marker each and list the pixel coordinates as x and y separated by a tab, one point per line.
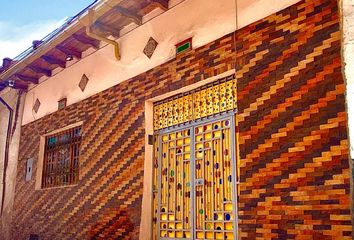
72	39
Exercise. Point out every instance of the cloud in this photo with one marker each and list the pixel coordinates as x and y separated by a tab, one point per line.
15	39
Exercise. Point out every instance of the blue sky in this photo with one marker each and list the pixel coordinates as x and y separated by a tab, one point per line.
22	21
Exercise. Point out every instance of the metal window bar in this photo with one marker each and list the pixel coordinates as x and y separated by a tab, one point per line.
61	158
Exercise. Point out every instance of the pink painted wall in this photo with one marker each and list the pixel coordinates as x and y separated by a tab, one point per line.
203	20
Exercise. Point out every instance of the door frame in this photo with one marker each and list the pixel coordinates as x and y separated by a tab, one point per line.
146	223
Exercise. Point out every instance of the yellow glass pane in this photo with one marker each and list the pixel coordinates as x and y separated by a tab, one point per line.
209	101
197	105
219	236
216	99
229	95
229	236
165	115
200	235
170	115
188	106
180	113
163	233
209	235
156	117
203	103
229	226
223	104
175	112
235	93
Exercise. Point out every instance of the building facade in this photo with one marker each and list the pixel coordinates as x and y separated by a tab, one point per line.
241	135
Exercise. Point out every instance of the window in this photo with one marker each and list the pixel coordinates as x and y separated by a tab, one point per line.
213	99
61	158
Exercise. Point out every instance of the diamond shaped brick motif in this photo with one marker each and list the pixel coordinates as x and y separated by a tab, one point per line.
36	105
83	82
150	47
62	103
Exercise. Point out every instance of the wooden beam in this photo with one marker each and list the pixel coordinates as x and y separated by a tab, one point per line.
72	52
40	70
87	40
107	29
163	4
54	61
134	17
27	78
19	85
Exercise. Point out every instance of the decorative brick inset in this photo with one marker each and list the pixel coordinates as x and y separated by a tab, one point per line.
150	47
83	82
36	105
62	103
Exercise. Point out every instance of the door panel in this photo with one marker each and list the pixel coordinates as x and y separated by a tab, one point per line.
175	188
214	212
194	190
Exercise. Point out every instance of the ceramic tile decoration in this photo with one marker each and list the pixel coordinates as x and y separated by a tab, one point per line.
36	105
150	47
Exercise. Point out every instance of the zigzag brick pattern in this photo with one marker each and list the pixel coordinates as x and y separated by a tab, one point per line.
106	203
294	168
294	181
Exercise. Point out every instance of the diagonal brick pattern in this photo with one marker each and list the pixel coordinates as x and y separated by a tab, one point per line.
293	147
294	181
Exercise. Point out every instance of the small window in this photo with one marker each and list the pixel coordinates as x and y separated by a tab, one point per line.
61	158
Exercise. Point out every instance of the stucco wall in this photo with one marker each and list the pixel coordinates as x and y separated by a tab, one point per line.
348	56
347	10
205	21
11	97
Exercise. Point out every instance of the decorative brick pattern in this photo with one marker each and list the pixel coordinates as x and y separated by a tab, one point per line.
106	203
36	105
292	135
292	126
83	82
150	47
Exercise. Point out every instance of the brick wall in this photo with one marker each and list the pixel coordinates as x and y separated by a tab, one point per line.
293	143
293	127
106	204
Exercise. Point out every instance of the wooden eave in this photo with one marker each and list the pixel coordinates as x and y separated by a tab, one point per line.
48	56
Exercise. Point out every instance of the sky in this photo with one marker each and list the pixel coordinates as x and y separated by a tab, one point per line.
22	21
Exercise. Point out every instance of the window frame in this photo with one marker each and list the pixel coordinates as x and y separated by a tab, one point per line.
41	158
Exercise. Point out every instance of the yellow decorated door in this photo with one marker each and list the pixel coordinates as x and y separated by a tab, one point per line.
194	180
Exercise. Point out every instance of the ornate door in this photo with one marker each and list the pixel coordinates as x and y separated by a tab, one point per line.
194	190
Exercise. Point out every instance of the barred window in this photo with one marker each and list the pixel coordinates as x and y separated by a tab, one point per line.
61	158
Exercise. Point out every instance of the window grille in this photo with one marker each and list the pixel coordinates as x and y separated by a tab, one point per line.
206	101
61	158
